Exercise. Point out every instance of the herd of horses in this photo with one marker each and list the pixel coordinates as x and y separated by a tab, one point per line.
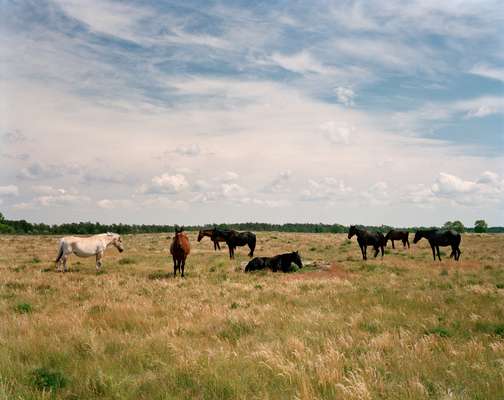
180	246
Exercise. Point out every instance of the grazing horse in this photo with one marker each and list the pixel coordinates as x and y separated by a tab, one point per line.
215	235
438	237
393	234
235	239
366	238
87	247
179	249
281	261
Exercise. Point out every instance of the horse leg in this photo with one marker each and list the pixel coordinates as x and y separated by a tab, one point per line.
183	265
364	252
382	250
407	241
99	257
376	251
438	255
393	244
218	245
174	267
433	251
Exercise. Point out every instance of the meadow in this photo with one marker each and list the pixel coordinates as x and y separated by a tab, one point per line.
404	327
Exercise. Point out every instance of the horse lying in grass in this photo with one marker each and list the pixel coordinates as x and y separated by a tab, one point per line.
179	249
281	261
87	247
366	238
393	234
438	237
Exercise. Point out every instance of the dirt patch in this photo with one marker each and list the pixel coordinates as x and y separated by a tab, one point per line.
323	271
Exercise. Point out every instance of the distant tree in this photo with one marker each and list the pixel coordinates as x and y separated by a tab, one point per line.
2	218
480	226
455	225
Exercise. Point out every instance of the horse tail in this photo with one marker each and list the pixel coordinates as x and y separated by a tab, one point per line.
252	245
60	252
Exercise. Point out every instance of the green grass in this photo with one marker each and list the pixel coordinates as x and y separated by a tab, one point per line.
401	327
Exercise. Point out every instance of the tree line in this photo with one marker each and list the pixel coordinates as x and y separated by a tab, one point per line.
22	227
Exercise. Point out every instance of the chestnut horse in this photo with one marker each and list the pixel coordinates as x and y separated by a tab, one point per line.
179	249
215	235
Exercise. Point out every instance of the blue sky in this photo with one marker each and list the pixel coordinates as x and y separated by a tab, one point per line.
197	112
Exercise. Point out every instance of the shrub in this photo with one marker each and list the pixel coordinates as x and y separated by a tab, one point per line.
45	378
439	331
23	308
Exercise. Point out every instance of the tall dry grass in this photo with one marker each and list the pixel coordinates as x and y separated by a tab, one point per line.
404	327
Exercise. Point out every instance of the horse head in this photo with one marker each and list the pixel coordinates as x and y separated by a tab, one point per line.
200	235
418	236
297	259
116	241
352	231
178	229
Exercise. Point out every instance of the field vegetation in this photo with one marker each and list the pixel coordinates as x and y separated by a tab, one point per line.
404	327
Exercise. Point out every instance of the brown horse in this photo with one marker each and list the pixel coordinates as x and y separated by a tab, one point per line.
215	235
179	249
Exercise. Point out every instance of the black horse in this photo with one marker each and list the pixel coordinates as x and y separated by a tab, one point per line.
235	239
393	234
215	235
366	238
281	261
438	237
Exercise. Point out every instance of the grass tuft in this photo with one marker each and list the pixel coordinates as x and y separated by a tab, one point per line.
48	379
23	308
439	331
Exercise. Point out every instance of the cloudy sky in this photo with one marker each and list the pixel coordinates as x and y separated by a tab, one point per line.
373	112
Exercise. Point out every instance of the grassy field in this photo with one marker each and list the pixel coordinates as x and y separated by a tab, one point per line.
404	327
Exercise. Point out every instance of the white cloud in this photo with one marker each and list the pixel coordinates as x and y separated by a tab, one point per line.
48	190
9	190
166	183
327	188
103	16
192	150
280	184
337	133
377	194
60	200
454	190
114	203
303	63
14	137
488	71
345	95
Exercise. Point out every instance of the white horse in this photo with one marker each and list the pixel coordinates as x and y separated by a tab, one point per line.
87	247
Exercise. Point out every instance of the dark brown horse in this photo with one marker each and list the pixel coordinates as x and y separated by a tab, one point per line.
235	239
215	235
179	249
282	262
393	234
366	238
438	237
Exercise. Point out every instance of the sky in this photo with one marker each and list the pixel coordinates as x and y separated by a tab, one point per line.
196	112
